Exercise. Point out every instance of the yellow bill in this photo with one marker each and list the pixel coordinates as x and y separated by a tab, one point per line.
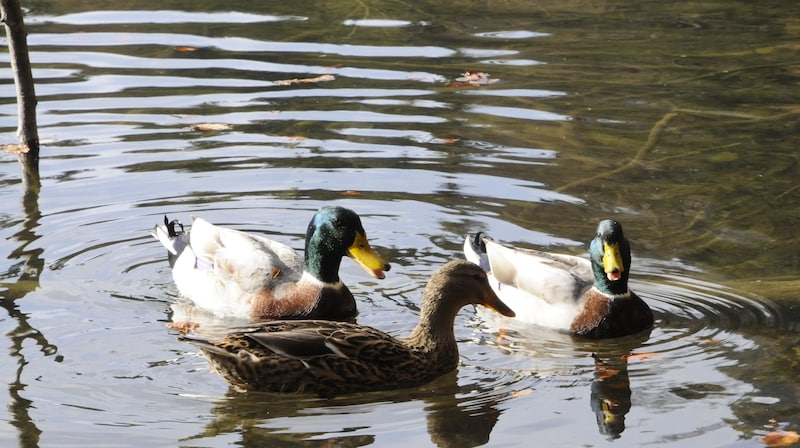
361	252
612	261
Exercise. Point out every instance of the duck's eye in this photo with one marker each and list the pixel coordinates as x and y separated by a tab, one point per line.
337	223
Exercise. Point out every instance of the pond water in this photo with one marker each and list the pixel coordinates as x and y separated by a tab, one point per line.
679	119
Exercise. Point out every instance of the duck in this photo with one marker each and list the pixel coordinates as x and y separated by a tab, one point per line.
583	297
330	358
231	273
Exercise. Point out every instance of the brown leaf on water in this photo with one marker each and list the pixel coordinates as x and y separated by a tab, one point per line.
16	149
289	82
711	341
643	356
781	438
209	127
351	193
445	140
472	78
185	49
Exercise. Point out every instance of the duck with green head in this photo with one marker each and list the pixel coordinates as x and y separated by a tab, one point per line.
235	274
583	297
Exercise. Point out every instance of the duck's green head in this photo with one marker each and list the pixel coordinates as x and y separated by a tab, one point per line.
611	258
335	232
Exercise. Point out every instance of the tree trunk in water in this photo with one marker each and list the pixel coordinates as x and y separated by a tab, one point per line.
26	95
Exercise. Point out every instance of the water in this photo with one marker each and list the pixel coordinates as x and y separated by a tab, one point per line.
679	120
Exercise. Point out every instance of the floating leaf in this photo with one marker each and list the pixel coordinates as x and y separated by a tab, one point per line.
16	149
444	140
351	193
643	356
289	82
473	78
185	49
209	127
781	438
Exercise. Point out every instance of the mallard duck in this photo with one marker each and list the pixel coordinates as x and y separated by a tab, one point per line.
236	274
331	358
583	297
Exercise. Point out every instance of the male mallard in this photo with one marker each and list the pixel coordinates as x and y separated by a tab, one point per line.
330	358
233	273
584	297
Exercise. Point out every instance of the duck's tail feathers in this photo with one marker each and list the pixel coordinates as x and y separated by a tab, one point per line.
172	236
475	250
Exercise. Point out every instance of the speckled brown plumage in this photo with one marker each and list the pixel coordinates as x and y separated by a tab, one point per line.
330	358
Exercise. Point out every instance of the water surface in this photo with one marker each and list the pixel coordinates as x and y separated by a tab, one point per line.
679	120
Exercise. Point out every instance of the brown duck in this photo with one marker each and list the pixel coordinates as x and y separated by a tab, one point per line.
331	358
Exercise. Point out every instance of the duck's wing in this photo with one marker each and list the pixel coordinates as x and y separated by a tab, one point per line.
555	278
305	340
253	262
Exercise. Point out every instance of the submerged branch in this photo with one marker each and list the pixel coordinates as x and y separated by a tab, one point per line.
651	142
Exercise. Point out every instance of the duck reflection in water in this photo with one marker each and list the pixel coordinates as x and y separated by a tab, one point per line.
611	394
456	416
561	355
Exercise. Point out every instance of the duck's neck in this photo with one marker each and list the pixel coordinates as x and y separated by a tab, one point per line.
434	335
322	260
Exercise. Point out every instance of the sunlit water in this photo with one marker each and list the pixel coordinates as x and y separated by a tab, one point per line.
681	123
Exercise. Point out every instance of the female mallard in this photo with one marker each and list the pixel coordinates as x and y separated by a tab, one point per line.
232	273
330	358
584	297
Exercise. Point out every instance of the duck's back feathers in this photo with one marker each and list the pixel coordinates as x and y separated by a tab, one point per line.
252	262
307	356
555	278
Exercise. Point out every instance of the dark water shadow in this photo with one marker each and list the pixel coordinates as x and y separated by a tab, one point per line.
454	417
22	278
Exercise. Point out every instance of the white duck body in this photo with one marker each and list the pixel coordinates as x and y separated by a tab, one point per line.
584	297
542	288
223	262
236	274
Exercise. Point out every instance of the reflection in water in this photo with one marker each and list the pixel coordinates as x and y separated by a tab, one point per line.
556	353
27	265
681	120
455	418
611	394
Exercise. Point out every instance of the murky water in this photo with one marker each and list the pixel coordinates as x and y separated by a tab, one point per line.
680	120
